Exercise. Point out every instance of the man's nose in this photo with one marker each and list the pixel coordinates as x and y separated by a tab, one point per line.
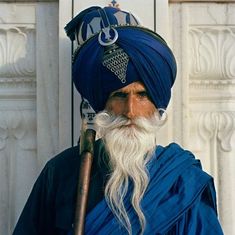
130	107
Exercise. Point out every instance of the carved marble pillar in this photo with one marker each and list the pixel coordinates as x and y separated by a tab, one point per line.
204	40
17	112
28	101
47	57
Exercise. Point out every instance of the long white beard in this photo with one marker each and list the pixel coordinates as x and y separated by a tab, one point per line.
130	147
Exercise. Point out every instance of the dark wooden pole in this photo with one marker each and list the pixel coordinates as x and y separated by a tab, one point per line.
84	181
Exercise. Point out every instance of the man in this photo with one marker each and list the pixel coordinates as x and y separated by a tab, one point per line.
126	73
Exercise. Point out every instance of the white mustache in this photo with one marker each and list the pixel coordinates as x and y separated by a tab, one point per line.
112	122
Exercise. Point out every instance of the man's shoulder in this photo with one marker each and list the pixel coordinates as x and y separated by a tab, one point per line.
173	149
69	159
66	154
177	157
64	163
182	158
179	165
174	146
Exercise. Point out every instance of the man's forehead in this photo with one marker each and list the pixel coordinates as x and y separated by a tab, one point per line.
135	86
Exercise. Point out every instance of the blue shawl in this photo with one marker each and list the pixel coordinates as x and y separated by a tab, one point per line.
180	199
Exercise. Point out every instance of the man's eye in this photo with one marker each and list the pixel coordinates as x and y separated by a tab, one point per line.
143	94
119	95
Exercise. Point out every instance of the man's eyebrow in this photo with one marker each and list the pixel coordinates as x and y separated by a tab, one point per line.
142	92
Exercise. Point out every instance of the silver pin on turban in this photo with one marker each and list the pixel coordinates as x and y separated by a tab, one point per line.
115	59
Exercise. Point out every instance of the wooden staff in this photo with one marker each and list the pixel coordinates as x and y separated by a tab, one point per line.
87	152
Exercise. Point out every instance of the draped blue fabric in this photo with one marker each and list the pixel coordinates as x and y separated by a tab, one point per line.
150	59
180	199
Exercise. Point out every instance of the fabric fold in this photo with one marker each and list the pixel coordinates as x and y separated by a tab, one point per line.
175	192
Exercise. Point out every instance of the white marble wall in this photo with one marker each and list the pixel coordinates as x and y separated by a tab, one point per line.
17	110
203	39
28	101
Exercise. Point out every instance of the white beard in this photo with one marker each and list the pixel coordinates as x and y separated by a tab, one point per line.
129	149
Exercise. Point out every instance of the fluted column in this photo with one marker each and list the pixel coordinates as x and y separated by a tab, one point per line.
28	101
203	36
18	160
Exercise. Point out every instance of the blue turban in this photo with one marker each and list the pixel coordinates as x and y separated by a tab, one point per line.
150	59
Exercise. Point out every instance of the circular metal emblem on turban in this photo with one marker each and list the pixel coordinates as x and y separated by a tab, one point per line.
108	36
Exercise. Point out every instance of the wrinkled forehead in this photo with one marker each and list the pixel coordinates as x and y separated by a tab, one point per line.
133	87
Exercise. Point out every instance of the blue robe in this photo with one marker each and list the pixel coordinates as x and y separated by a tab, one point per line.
180	199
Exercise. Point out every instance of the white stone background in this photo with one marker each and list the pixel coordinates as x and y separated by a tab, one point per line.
36	92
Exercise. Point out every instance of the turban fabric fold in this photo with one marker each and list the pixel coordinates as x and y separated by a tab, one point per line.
150	61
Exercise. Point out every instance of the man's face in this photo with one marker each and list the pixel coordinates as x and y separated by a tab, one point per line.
131	101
